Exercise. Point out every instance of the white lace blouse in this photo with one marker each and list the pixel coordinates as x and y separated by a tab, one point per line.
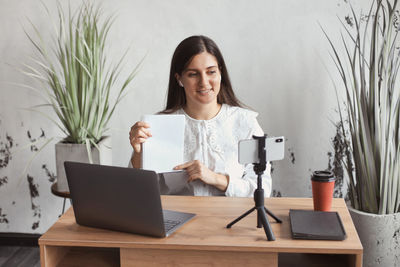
214	142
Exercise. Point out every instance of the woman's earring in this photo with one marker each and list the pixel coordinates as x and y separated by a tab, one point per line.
180	83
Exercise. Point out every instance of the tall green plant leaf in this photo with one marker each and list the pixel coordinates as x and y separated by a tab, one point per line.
78	79
372	101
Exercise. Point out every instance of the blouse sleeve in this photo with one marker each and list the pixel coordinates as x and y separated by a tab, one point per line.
243	183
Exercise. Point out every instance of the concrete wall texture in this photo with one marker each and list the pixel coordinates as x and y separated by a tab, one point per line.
276	55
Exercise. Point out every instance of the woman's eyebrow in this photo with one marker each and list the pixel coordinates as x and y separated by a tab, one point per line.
210	67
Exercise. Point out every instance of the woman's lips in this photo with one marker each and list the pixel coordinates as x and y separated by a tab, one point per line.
204	92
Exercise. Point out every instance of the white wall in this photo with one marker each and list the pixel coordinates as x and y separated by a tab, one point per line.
274	52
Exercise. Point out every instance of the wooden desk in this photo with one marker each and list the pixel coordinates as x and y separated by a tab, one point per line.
203	241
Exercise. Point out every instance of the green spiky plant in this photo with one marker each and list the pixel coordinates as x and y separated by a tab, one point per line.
369	69
76	76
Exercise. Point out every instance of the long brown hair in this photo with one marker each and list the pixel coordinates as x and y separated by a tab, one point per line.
183	54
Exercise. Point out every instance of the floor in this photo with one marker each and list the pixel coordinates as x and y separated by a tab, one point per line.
17	256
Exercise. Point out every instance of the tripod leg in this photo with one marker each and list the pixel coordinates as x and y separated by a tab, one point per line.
241	217
265	222
273	215
259	223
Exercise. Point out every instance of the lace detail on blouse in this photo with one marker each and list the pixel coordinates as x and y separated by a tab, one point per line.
214	142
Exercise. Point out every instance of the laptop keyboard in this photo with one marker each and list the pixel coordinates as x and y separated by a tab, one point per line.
169	224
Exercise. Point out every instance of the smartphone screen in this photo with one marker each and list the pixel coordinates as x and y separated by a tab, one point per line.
248	149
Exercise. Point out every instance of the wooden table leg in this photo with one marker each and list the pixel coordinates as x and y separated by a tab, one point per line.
51	255
163	257
355	260
359	260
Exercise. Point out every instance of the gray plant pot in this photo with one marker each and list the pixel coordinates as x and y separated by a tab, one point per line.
78	152
380	237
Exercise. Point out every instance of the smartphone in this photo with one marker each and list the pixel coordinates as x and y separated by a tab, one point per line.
248	149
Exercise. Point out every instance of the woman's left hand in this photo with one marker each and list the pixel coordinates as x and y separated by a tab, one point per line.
197	170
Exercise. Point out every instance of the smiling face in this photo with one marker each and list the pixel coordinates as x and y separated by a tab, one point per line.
201	80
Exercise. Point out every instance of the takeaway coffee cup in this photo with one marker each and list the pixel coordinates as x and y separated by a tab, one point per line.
323	183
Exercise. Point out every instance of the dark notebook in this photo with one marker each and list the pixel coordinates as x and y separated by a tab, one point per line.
309	224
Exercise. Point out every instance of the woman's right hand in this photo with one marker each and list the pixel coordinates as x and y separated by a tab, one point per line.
138	135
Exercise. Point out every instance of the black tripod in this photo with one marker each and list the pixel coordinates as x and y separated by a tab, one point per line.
259	168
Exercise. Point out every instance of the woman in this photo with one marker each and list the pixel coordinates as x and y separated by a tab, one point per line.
199	87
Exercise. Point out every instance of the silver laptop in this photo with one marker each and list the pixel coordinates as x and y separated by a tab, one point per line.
121	199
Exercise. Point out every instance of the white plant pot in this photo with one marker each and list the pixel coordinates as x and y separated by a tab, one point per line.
78	152
380	237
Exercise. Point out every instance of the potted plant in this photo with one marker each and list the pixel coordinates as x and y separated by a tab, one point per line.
77	81
369	68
